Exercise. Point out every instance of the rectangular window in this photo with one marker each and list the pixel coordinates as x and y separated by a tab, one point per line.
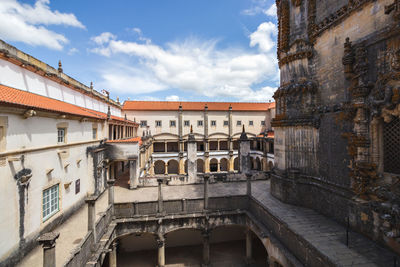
158	124
199	123
226	123
238	123
143	124
172	123
50	202
213	123
251	123
77	186
186	123
61	135
94	133
262	123
391	146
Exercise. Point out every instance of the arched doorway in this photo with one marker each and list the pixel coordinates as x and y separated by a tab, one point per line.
223	164
159	167
236	164
173	167
213	165
200	165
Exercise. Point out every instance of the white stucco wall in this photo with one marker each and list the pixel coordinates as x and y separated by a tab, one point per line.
39	132
19	78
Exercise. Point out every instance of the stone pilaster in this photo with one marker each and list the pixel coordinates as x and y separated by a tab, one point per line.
160	196
248	184
91	201
133	177
192	157
48	241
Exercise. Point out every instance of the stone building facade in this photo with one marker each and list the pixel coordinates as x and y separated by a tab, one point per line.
337	123
216	128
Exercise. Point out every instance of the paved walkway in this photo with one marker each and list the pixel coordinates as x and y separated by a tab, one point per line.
71	233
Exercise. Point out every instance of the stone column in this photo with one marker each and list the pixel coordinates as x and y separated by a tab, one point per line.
231	164
166	168
248	247
166	146
134	180
244	153
111	194
160	196
219	166
230	132
91	201
161	250
48	241
206	178
192	157
206	164
112	257
206	249
248	183
181	164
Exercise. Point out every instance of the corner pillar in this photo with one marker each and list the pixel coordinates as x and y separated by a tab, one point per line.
161	250
133	174
248	183
48	241
91	201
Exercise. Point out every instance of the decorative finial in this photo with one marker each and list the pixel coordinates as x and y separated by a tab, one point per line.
243	130
60	70
126	118
191	128
118	99
91	85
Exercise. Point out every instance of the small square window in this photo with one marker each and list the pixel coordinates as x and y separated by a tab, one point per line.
61	135
238	123
172	123
50	202
143	124
226	123
158	124
262	123
251	123
186	123
213	123
94	133
199	123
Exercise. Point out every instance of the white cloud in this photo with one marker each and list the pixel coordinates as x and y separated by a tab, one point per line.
103	38
172	98
264	36
73	51
26	23
195	66
261	7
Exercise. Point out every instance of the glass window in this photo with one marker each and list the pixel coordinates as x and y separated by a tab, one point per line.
143	124
213	123
172	123
158	124
186	123
61	135
226	123
238	123
199	123
94	133
50	201
262	123
251	123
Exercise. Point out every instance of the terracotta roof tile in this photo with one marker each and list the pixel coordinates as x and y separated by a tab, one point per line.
130	140
214	106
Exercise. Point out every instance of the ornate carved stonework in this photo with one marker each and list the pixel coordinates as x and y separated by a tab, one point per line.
283	25
295	56
296	3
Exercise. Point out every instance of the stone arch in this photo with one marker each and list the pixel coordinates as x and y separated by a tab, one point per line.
213	165
236	164
173	167
200	165
159	167
224	163
143	241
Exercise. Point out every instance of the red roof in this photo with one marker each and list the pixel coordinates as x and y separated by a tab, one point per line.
130	140
9	95
214	106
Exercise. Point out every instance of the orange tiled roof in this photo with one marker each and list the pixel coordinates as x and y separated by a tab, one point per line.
214	106
17	97
130	140
26	99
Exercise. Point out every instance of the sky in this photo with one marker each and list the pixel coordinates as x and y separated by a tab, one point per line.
174	50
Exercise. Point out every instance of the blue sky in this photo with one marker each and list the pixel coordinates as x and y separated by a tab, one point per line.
203	50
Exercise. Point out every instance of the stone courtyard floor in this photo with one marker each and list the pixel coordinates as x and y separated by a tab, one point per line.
323	233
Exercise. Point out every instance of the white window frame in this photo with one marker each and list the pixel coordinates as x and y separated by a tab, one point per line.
143	124
199	123
186	123
61	137
158	123
238	123
94	133
172	123
251	123
213	123
50	201
226	123
262	123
